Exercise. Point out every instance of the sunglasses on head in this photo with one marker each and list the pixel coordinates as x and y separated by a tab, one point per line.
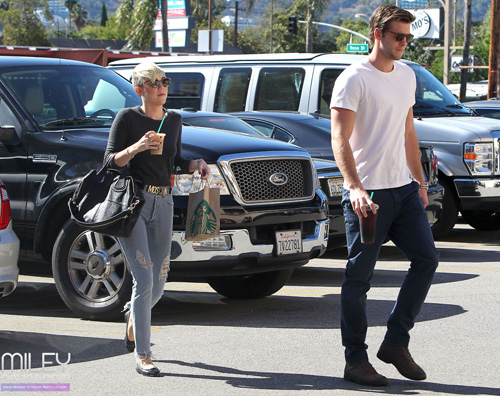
401	36
165	81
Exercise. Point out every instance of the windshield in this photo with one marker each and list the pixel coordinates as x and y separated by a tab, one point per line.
221	122
70	96
433	98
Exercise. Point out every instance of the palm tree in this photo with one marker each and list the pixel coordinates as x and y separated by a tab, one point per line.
79	16
143	19
69	5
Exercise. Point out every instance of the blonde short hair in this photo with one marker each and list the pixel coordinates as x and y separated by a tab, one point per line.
145	71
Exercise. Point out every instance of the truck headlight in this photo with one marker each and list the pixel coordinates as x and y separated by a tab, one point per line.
187	183
479	158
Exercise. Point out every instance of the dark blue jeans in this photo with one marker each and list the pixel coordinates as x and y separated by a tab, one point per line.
401	217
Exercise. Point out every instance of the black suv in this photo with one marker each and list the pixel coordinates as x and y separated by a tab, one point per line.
54	123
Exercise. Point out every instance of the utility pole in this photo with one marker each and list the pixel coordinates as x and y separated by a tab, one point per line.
210	27
235	38
236	16
446	66
494	49
465	62
164	25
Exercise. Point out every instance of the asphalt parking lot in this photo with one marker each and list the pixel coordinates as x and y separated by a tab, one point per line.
286	344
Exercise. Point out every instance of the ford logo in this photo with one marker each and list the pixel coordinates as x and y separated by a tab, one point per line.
278	179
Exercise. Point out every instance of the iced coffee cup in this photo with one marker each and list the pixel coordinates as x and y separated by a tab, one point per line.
368	226
159	137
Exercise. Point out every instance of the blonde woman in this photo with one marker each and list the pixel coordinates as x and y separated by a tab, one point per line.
132	143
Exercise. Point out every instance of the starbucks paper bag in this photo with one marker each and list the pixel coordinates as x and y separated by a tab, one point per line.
203	214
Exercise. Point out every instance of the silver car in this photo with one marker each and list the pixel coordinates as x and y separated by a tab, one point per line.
9	247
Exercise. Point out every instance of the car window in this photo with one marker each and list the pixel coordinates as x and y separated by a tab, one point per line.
186	90
232	89
271	130
7	118
490	113
328	78
279	88
69	95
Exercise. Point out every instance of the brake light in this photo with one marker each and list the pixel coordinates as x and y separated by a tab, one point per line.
5	216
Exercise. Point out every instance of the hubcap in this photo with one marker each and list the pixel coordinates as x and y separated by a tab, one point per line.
96	266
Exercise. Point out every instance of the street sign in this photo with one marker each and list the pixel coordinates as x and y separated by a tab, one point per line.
362	48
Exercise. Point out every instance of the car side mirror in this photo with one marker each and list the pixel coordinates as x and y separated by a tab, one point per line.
6	133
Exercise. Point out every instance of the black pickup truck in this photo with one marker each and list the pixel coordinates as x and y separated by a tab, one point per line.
55	117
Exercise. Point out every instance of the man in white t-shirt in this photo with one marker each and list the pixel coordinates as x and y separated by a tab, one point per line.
377	151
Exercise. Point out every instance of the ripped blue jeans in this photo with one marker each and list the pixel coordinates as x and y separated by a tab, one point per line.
147	251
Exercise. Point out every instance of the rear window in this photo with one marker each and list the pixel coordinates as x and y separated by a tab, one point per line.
186	90
279	88
328	78
232	89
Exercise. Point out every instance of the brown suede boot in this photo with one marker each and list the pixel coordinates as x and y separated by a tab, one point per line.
363	373
401	359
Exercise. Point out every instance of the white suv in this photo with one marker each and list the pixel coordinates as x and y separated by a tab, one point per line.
9	247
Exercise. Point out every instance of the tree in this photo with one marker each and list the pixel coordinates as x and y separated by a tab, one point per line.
104	15
310	10
69	5
142	33
124	16
199	10
79	16
344	38
22	24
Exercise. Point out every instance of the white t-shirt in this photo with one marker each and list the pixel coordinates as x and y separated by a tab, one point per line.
381	102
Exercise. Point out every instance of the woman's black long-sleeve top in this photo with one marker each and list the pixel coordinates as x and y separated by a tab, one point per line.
129	126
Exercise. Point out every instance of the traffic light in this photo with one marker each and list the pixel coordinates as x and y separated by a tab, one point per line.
292	24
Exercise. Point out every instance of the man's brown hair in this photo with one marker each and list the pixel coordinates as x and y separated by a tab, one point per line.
384	15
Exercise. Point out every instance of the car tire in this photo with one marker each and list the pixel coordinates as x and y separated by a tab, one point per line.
449	214
90	273
482	220
258	285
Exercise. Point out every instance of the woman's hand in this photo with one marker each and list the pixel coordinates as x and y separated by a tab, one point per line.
146	142
200	166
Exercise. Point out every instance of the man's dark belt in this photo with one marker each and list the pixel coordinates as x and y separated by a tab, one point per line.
157	190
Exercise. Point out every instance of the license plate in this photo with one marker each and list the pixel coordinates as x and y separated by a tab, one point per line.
335	186
288	242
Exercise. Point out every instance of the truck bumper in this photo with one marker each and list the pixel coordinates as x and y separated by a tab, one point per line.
232	252
479	194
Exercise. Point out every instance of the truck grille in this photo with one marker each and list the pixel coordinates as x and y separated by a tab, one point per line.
292	179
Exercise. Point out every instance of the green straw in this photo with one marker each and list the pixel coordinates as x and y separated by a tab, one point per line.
163	119
371	196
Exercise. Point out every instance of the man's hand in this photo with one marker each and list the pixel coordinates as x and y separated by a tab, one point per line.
422	192
359	199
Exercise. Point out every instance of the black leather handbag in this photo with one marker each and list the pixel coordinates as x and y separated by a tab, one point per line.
108	201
